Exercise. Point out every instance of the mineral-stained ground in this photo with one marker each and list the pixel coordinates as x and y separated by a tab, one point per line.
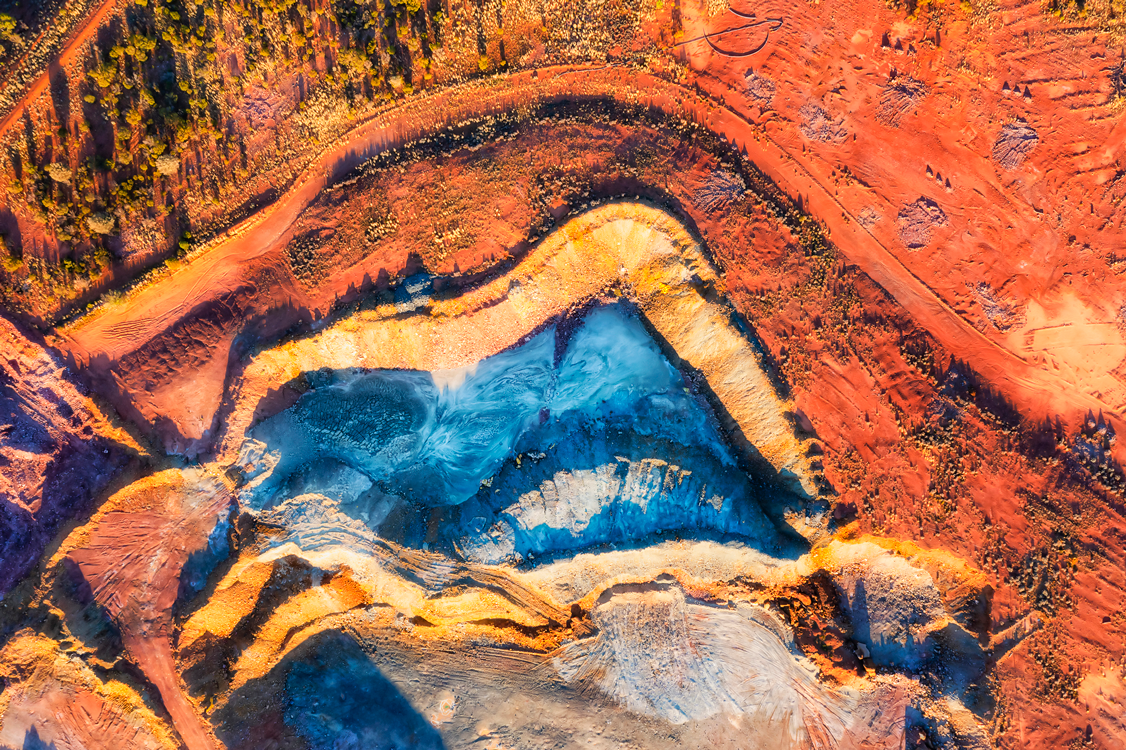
513	374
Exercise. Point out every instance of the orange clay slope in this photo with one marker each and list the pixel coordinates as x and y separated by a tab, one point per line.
131	554
59	700
110	333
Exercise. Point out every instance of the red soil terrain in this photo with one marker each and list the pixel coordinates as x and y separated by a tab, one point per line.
58	451
132	564
955	347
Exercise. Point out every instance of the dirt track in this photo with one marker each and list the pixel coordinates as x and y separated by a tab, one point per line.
133	563
88	28
109	334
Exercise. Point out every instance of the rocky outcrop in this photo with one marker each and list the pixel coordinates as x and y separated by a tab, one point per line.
57	451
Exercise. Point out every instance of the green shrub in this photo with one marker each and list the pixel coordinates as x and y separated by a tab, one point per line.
59	172
104	74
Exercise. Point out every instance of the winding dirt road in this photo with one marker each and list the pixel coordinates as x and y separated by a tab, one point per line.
109	334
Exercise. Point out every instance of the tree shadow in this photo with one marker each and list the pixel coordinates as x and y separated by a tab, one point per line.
60	93
961	381
32	741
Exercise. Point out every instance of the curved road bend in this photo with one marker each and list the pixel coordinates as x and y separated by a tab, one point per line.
118	331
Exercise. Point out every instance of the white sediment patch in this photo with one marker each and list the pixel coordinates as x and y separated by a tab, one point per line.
663	656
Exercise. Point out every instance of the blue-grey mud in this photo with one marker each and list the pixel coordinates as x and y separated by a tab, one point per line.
556	445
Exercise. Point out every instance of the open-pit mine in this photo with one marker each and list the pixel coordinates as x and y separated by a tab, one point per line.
528	374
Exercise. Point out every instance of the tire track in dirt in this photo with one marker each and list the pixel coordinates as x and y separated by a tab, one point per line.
133	559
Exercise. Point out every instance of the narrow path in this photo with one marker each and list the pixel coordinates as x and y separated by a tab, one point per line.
132	559
86	30
154	655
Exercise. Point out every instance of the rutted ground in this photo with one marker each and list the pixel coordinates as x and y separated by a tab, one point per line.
58	450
